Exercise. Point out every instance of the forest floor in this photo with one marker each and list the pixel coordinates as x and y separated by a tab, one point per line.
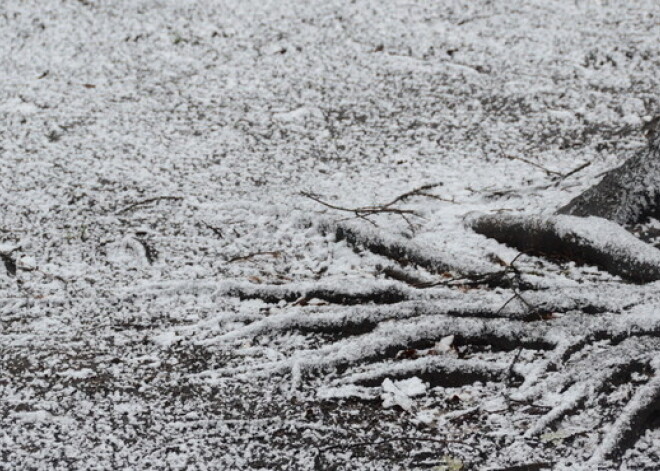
174	176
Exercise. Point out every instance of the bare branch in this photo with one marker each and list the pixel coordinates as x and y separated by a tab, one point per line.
148	201
387	208
361	211
272	253
576	170
419	191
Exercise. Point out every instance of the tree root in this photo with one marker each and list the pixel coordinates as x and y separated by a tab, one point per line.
459	315
437	370
588	229
591	240
584	358
577	394
407	252
621	361
631	423
589	358
358	292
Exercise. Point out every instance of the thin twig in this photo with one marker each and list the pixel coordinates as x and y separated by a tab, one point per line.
515	282
415	192
515	259
529	162
577	169
464	282
552	173
487	278
365	211
213	229
473	18
361	211
365	218
506	304
528	466
148	201
273	253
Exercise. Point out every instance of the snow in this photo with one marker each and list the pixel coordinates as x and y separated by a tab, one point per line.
400	393
152	159
410	387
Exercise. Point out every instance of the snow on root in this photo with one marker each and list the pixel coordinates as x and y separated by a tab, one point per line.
404	251
631	423
437	370
590	240
345	322
391	336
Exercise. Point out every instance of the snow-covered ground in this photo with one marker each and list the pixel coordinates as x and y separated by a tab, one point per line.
153	159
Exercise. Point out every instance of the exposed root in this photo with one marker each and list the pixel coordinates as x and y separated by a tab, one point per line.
390	337
351	292
574	345
346	323
583	358
439	303
358	292
378	332
401	250
575	397
437	370
598	372
631	423
591	240
460	315
623	335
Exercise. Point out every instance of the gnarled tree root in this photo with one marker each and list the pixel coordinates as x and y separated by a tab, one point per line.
404	252
347	294
631	424
592	240
437	370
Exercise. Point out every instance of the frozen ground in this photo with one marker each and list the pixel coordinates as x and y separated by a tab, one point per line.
153	158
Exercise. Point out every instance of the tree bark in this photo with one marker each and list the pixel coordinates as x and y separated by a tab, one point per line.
627	194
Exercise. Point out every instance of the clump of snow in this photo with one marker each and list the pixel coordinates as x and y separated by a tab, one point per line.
400	393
